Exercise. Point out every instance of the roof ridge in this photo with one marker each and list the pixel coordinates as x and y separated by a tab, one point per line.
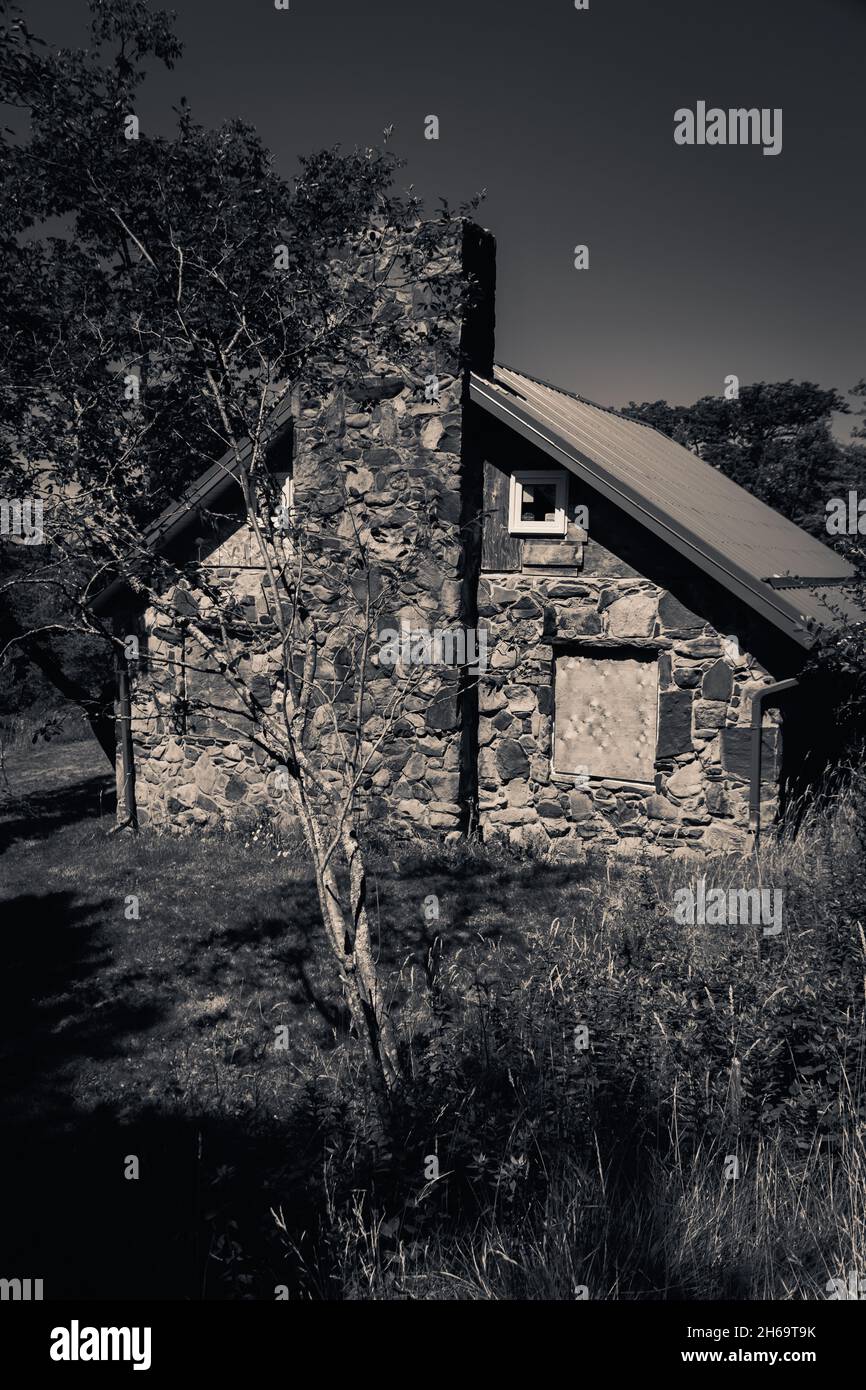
585	400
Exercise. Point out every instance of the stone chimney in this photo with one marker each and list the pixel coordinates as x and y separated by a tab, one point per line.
386	464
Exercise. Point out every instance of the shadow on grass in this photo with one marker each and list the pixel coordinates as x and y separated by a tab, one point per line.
38	815
54	1013
197	1220
474	900
299	945
68	1215
71	999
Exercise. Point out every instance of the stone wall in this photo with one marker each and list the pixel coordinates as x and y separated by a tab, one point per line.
699	796
379	463
422	485
592	601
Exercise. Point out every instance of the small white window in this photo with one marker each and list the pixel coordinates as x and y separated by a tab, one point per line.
537	502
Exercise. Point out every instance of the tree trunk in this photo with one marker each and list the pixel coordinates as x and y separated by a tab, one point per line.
364	1003
98	708
363	953
127	811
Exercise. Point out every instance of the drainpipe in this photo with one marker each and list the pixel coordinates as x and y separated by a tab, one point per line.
758	702
127	815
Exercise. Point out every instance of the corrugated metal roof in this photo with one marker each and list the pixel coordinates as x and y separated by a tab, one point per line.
827	606
724	529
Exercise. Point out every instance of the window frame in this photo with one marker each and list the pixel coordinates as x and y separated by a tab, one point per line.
524	477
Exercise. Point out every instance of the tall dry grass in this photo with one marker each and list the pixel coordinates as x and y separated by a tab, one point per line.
706	1143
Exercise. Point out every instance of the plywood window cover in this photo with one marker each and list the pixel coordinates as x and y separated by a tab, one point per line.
616	771
525	477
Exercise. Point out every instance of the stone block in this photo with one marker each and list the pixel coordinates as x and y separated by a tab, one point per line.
513	815
442	713
520	699
719	802
518	793
529	837
415	767
236	789
567	623
718	682
686	782
551	554
736	749
634	615
675	618
567	588
444	785
687	677
490	697
511	760
488	770
675	723
205	774
580	805
709	714
721	838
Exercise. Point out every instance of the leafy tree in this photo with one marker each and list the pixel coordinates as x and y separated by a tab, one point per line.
775	440
164	298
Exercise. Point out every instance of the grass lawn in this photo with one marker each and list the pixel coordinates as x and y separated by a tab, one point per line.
146	978
155	1034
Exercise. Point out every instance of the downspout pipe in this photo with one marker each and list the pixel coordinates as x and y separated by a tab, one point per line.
127	813
759	703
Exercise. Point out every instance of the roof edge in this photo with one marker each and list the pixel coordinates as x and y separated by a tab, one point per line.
769	603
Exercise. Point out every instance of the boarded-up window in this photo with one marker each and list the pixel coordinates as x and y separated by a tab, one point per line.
606	715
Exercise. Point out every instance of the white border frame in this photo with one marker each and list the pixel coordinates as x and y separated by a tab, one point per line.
525	477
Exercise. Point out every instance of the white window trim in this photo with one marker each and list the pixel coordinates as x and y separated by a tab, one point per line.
526	477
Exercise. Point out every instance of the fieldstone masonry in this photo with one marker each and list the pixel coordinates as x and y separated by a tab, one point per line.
372	455
375	461
699	797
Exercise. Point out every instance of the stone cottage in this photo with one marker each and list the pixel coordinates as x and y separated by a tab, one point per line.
644	619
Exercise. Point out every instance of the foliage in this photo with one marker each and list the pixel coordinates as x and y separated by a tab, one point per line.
560	1167
191	293
774	439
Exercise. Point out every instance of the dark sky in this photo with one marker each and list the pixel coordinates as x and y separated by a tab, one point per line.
704	261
